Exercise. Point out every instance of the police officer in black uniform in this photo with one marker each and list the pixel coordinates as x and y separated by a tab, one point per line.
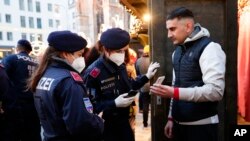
22	122
109	85
4	88
4	84
63	106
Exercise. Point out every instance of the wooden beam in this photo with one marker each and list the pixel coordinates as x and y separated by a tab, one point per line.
129	6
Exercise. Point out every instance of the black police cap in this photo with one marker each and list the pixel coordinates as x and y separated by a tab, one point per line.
66	41
115	38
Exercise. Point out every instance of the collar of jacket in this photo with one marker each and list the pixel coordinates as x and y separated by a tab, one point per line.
61	63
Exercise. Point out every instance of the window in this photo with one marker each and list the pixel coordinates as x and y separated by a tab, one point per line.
57	23
56	8
39	37
74	26
39	23
30	5
1	35
38	7
8	18
49	7
21	5
31	22
32	37
7	2
70	2
113	1
9	36
0	17
22	21
50	22
23	36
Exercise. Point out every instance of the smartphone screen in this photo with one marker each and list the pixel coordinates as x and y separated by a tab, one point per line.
131	93
160	80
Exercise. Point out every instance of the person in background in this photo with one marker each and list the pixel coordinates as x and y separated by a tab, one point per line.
22	122
62	103
198	80
141	66
130	58
4	88
109	84
91	54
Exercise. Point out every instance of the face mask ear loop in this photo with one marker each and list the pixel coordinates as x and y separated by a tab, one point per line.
73	56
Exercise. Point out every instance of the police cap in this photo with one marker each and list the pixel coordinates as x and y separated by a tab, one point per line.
66	41
115	38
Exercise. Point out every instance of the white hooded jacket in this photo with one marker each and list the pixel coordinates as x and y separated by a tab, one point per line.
213	66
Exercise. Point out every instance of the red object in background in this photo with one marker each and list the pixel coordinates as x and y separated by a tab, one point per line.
132	56
244	64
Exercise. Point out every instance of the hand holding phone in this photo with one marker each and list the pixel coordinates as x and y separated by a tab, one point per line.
131	93
160	80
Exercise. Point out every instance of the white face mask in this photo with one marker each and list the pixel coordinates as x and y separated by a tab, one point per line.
117	58
78	64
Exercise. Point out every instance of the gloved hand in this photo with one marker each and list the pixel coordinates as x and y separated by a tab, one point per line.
152	69
120	101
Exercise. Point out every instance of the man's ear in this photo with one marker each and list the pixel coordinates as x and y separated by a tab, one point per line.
189	26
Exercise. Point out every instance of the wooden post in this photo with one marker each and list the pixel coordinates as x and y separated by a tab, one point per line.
162	54
231	40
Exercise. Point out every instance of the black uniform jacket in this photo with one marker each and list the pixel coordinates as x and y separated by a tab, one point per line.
64	109
106	81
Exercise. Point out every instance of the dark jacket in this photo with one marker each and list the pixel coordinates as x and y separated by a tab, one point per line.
19	68
63	106
4	82
141	67
106	81
188	74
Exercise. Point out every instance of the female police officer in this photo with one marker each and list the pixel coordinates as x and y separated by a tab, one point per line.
64	109
109	84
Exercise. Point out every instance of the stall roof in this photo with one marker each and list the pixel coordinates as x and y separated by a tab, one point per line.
138	7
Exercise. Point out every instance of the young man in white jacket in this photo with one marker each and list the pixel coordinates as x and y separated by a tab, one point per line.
198	80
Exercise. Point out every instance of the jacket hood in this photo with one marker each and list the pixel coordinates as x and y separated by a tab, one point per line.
198	33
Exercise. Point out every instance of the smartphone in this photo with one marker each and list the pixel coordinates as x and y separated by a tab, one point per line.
131	93
160	80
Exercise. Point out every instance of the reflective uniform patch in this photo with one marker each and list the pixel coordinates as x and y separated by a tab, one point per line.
95	72
76	76
107	86
107	80
88	104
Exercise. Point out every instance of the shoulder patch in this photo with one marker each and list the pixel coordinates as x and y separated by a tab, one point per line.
76	76
95	72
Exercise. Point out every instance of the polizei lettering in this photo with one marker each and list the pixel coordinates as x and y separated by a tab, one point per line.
45	83
26	58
